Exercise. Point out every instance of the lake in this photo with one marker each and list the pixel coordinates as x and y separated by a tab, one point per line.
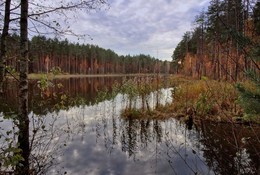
75	131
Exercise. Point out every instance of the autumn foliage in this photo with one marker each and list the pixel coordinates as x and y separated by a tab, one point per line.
225	43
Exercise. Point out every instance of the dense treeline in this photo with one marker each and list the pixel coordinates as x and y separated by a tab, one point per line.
225	42
46	53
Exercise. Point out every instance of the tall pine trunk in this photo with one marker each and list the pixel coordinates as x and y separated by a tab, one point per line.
3	43
23	138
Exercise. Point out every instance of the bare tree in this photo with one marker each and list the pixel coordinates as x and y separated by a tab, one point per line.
36	17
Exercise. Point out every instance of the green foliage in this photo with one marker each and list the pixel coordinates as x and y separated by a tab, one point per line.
115	89
204	103
254	77
106	94
44	83
130	88
144	88
250	95
255	53
102	95
187	44
56	70
10	70
11	156
77	58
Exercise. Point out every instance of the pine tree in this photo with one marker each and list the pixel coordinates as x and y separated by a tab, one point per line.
250	99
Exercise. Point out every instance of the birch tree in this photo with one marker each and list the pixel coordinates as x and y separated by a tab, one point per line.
36	17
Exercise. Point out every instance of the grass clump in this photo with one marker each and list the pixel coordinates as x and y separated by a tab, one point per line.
208	98
145	114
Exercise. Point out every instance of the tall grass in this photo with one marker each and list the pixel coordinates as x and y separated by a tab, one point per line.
208	99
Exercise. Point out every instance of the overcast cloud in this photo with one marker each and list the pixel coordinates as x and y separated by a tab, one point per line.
140	26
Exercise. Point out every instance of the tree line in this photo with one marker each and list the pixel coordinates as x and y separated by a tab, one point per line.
29	17
224	44
18	54
74	58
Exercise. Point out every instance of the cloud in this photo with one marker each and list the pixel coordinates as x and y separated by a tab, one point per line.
143	26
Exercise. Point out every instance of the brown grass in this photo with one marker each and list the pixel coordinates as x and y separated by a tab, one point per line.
203	99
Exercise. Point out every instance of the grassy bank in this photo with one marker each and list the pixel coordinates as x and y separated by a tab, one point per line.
201	99
207	99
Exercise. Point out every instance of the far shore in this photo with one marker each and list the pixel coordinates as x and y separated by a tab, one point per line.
61	76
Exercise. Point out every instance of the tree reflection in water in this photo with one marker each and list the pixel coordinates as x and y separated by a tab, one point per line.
89	138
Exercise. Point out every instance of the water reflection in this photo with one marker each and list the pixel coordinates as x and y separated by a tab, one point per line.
90	138
42	102
109	144
231	149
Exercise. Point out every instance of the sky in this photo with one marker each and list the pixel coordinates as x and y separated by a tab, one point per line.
135	27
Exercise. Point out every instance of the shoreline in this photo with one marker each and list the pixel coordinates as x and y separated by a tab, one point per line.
61	76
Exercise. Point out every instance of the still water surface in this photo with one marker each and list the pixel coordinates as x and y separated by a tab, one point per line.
82	135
